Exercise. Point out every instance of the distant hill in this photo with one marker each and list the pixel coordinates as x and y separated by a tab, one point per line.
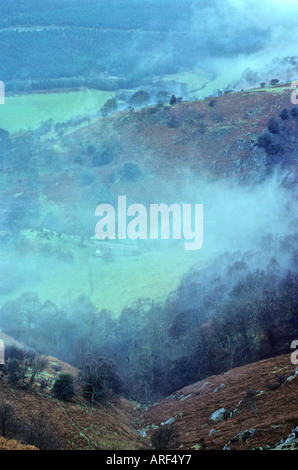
79	42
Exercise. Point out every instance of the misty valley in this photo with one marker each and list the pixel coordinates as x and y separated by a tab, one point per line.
148	225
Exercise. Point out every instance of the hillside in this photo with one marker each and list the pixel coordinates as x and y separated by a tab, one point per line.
258	411
71	425
249	407
148	225
164	308
214	137
54	178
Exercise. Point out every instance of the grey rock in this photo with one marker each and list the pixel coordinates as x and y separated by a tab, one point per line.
219	415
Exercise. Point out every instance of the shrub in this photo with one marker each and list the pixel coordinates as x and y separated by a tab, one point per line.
272	149
275	149
273	126
40	433
280	379
130	171
37	364
173	100
22	366
162	97
284	114
294	111
14	372
63	388
99	379
164	438
8	423
272	386
212	103
103	156
251	400
109	107
140	98
274	82
43	384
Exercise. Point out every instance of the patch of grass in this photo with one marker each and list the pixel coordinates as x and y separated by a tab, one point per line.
115	283
198	83
110	440
26	111
271	89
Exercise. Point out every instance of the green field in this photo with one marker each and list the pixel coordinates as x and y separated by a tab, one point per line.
119	282
25	111
110	284
200	83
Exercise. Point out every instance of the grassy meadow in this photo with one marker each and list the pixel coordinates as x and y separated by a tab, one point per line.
28	111
110	284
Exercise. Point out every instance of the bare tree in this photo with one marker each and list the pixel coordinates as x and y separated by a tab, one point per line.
8	423
40	433
98	378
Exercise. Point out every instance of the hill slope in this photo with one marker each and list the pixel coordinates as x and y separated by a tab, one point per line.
212	137
71	425
247	408
256	414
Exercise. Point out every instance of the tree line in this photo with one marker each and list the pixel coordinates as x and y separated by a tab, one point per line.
223	316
